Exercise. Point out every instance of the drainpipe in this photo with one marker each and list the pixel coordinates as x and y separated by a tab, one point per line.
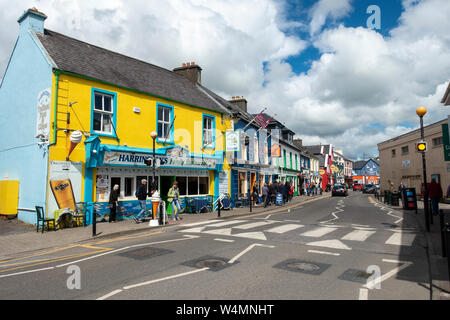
55	108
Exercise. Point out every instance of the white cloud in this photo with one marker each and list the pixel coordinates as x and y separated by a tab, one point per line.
325	9
354	96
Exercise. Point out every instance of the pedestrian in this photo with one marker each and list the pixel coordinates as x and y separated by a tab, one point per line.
401	187
273	193
435	192
265	193
313	188
113	203
448	192
172	197
255	196
284	191
142	194
291	192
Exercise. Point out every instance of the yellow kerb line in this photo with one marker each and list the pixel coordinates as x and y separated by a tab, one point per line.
57	259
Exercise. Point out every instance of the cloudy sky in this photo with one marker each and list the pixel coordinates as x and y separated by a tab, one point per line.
315	64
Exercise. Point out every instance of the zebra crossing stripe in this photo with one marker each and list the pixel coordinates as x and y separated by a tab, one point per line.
358	235
284	228
226	223
318	232
254	225
401	239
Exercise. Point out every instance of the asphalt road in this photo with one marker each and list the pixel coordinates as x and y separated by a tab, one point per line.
337	248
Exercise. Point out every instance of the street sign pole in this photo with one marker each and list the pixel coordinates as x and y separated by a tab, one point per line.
424	164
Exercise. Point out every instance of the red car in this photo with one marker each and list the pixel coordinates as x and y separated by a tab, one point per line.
357	186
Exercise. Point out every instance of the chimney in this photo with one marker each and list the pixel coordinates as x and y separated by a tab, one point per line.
298	142
240	102
191	71
33	20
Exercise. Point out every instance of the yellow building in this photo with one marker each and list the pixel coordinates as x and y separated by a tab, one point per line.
112	103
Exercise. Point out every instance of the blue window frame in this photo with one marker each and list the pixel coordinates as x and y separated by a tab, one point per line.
103	113
164	123
209	129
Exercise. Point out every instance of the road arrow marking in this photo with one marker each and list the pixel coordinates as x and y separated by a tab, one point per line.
334	244
247	250
225	231
196	230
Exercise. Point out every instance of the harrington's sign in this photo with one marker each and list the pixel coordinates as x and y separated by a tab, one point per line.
129	159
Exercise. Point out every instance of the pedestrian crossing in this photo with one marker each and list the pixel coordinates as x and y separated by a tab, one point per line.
338	236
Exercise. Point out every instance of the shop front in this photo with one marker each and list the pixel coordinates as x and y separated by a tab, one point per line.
126	167
245	177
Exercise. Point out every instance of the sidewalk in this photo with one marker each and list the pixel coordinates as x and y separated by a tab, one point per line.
438	264
31	241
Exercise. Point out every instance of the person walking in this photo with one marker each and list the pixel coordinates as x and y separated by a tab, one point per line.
172	196
265	193
291	192
435	192
142	194
113	203
284	192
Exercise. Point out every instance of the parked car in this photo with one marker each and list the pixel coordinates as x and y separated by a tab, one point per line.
370	188
357	186
339	190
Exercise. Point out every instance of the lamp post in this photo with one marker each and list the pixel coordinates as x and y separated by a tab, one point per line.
421	111
154	134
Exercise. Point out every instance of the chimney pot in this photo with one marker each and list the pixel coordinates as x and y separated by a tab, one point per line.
191	71
192	63
188	64
184	65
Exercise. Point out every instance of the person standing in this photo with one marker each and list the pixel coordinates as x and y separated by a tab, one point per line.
142	194
172	196
113	203
284	192
265	193
435	192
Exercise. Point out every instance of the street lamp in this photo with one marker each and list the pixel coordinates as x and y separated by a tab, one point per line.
421	111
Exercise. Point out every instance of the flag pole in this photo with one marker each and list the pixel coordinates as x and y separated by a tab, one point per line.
254	119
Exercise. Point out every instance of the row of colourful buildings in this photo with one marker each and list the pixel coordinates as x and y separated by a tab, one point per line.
77	119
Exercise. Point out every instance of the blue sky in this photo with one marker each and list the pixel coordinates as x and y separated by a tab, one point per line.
299	11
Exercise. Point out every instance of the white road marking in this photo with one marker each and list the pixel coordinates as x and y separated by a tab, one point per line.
358	235
334	244
128	247
373	283
254	225
363	294
393	215
196	229
162	279
224	240
199	223
106	296
226	223
232	260
251	235
401	239
325	252
318	232
292	220
284	228
23	272
225	231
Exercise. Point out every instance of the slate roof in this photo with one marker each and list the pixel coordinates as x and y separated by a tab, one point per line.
84	59
358	165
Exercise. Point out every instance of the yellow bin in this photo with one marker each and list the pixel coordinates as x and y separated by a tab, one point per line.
9	197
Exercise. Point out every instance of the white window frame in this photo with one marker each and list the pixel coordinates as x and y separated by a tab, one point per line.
163	122
103	112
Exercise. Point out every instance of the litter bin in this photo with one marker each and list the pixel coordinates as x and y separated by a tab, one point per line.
395	199
409	199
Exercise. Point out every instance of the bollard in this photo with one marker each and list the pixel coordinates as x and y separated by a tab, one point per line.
94	221
447	238
251	200
218	207
442	225
430	211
